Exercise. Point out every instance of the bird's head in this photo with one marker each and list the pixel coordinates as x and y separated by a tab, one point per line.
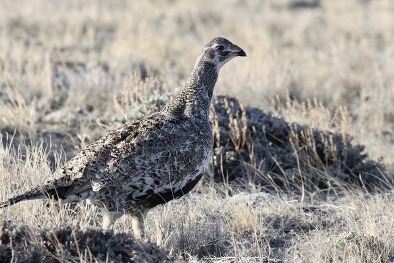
219	51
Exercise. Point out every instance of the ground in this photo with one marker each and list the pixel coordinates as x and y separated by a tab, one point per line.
72	71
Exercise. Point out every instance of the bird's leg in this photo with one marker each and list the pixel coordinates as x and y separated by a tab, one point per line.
137	223
109	218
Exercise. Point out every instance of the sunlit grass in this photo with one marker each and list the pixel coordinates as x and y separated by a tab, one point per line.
73	71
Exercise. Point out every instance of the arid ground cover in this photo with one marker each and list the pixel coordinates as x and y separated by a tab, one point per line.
303	162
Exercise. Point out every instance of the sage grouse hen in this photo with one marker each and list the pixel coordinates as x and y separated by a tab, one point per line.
148	162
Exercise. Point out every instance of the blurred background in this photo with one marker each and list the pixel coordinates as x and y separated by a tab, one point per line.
72	71
308	61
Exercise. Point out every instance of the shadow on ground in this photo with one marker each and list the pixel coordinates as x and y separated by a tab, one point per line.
252	146
68	244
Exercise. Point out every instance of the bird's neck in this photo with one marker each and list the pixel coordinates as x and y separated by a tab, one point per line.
195	98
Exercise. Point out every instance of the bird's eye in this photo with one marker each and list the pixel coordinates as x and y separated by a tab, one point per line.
220	47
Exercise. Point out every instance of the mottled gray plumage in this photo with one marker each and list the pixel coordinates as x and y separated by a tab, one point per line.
151	161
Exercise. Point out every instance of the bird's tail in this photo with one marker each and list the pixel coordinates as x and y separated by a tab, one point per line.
30	195
52	190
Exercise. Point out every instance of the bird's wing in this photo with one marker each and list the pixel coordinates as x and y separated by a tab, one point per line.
147	154
77	172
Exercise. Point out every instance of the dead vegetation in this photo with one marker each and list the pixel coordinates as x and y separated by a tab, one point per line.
303	156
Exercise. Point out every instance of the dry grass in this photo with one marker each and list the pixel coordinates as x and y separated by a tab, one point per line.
70	71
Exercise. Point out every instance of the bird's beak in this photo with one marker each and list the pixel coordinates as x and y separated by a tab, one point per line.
241	53
238	51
